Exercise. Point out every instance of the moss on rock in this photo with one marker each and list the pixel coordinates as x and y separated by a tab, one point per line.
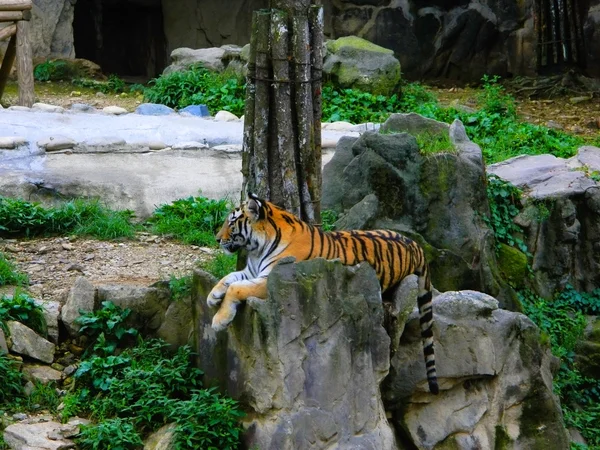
513	264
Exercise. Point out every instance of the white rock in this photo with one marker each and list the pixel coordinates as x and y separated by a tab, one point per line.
53	143
10	142
115	110
228	148
45	107
38	436
26	342
226	116
19	108
337	126
189	145
81	297
51	310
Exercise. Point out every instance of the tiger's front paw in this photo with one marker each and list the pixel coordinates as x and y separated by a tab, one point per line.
215	297
221	320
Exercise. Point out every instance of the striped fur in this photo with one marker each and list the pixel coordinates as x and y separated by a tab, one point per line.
270	233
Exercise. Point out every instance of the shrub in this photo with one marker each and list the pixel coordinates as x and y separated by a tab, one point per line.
116	433
218	91
193	220
180	287
54	71
113	85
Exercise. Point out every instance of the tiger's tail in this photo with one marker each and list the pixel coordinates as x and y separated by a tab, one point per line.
424	301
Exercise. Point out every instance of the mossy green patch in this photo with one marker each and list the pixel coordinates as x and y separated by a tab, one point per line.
512	263
358	43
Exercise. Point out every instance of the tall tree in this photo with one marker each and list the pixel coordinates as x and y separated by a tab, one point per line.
282	128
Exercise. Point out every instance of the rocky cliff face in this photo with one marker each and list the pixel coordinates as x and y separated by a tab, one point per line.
383	181
314	366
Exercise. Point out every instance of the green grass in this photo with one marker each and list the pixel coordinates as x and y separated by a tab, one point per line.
193	220
9	274
434	143
78	217
221	265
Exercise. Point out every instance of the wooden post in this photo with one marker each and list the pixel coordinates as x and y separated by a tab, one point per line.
8	31
24	64
15	5
7	62
12	16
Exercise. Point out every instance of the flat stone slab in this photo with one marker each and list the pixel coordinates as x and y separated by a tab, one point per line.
130	161
546	176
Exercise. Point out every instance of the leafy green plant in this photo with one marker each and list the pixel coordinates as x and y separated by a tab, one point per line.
113	85
12	380
221	265
106	327
54	70
42	397
193	220
562	320
504	199
9	274
328	218
218	91
146	386
180	287
115	434
24	309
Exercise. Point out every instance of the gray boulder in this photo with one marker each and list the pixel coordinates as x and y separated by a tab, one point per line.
26	342
496	380
312	364
213	58
161	439
560	218
41	374
353	62
52	29
308	371
48	435
81	298
439	200
3	344
51	311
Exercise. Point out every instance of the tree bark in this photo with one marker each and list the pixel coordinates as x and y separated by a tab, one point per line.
24	64
7	62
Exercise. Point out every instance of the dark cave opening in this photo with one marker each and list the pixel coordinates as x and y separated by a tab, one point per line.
125	37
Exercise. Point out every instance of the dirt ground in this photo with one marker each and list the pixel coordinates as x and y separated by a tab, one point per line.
53	264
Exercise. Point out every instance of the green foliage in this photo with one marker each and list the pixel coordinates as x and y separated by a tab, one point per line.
328	218
355	106
22	308
218	91
193	220
9	274
114	434
221	265
504	199
180	287
43	397
433	143
562	320
147	387
106	327
79	217
113	85
54	71
12	380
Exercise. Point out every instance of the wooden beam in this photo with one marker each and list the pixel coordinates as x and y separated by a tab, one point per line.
8	31
24	64
7	62
15	5
13	16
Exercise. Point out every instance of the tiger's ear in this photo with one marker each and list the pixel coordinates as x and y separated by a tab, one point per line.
255	206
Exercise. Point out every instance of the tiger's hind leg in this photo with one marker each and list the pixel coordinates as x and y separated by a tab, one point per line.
424	301
238	292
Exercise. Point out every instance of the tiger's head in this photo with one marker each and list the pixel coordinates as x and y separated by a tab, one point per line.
238	230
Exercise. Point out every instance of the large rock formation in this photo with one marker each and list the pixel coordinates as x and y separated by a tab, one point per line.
309	365
560	218
412	194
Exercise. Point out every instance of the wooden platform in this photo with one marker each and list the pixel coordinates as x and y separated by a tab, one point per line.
14	19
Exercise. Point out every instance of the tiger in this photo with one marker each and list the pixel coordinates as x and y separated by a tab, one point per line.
269	233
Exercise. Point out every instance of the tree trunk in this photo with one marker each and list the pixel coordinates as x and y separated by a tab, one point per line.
282	152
